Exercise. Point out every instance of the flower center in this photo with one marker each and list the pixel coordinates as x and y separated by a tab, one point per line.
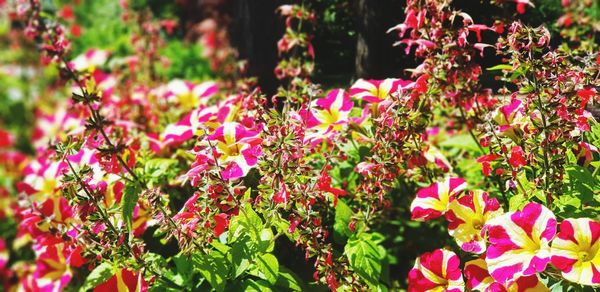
188	100
584	256
477	224
49	186
233	149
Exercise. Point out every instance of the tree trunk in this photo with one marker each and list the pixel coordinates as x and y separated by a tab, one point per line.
254	33
375	56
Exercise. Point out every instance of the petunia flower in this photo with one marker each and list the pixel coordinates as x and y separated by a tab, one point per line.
375	91
438	270
519	242
189	95
54	126
42	177
478	279
54	266
236	148
327	115
57	210
511	118
184	130
124	280
466	217
200	119
89	60
576	251
434	155
432	202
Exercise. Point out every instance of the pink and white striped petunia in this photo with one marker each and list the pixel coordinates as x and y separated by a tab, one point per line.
89	60
42	177
519	242
54	266
327	115
432	202
54	126
434	155
478	279
438	270
184	130
511	118
376	91
189	95
195	122
237	149
576	251
466	217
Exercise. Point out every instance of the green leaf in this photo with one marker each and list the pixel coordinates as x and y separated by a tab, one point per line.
249	285
246	222
289	281
128	202
500	67
526	89
159	169
516	202
222	248
343	215
265	241
99	275
242	253
581	181
182	264
365	256
268	266
213	267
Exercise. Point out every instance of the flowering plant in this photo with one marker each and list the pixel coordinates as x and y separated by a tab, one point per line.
128	176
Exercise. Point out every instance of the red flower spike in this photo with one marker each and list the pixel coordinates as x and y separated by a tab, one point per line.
517	157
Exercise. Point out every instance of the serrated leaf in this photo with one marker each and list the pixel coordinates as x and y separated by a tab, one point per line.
246	221
268	266
213	267
365	256
99	275
581	187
